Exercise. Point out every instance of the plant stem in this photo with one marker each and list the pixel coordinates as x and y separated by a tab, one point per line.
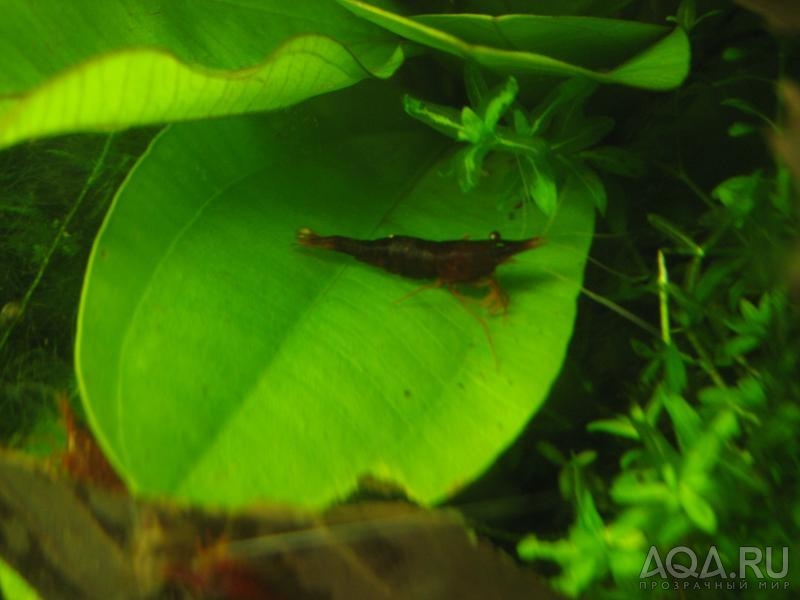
621	311
62	231
663	298
705	361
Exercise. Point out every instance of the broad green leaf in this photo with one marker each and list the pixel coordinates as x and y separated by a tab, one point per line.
220	362
84	65
605	50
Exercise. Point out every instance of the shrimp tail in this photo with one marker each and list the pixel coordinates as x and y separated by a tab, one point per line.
306	237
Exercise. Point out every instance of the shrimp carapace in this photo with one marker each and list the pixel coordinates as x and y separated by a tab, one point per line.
448	262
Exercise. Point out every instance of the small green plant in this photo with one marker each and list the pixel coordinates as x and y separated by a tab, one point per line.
718	379
550	142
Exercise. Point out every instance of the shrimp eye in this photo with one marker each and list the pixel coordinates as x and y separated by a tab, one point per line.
495	236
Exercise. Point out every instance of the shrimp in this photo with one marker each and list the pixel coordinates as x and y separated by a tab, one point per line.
447	263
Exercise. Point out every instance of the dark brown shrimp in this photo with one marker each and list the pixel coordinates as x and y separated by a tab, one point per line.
446	263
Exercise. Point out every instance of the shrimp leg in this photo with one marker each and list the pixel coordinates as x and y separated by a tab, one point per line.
451	287
437	283
464	302
496	300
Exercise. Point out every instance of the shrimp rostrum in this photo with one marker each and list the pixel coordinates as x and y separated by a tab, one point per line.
446	263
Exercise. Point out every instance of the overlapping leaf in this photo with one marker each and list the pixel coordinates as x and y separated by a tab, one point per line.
605	50
86	65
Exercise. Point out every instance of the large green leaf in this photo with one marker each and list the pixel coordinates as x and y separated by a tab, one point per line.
220	362
87	65
605	50
586	41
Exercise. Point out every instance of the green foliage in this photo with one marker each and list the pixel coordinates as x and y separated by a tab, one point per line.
699	460
220	363
49	213
550	144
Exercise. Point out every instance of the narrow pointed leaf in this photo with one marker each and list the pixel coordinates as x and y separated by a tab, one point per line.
501	103
583	133
698	509
616	160
592	184
444	119
572	93
685	420
542	184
